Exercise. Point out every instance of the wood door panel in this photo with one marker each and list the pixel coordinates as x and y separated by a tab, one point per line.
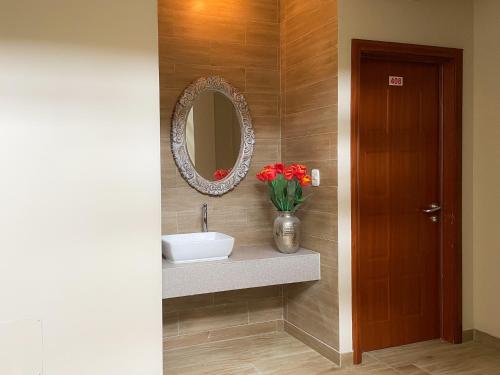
398	175
378	237
377	295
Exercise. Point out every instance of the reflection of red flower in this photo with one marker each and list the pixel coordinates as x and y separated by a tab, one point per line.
221	174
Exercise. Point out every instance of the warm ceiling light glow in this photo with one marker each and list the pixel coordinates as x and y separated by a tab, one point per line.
199	5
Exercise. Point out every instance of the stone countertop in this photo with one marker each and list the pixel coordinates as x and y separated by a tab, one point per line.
247	267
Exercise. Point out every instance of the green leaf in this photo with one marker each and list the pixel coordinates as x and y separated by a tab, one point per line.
298	195
291	191
279	187
298	191
301	201
286	195
272	195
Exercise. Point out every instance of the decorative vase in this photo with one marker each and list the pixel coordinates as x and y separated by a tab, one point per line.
287	232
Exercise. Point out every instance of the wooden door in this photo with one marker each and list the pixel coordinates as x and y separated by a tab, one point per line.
398	178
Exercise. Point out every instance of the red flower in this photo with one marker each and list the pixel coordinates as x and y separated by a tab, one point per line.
295	170
305	180
279	167
268	173
300	171
220	174
289	172
279	189
261	177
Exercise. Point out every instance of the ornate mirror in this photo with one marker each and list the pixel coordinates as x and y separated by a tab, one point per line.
212	136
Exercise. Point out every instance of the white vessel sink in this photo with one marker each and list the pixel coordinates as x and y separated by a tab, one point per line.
197	247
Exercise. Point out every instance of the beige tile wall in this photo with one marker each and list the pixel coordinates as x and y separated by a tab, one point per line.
309	136
239	40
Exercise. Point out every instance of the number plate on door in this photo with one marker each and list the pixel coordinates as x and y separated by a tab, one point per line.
395	81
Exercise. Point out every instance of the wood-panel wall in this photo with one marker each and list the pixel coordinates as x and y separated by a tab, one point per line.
284	58
189	321
309	135
238	40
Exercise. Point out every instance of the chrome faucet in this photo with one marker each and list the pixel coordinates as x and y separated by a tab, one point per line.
204	217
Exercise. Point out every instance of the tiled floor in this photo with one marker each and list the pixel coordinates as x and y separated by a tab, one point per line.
280	353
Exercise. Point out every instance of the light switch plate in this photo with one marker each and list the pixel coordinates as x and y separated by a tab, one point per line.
315	177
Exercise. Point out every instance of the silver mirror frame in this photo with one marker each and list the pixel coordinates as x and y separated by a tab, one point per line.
179	144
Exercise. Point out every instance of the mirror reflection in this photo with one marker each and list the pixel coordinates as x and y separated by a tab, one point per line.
213	135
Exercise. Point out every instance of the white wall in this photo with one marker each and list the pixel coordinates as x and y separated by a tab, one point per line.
80	183
447	23
486	166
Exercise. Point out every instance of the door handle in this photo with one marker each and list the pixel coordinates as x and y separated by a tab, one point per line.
432	208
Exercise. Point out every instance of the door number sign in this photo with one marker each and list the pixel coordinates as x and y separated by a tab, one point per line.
395	81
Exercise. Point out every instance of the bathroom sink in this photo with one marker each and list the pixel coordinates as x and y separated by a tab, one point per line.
197	247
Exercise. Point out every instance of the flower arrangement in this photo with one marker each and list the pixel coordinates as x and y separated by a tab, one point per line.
220	174
285	185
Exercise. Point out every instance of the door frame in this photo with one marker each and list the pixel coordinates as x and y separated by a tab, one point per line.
450	61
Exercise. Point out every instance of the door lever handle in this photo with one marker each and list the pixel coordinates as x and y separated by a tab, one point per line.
432	208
